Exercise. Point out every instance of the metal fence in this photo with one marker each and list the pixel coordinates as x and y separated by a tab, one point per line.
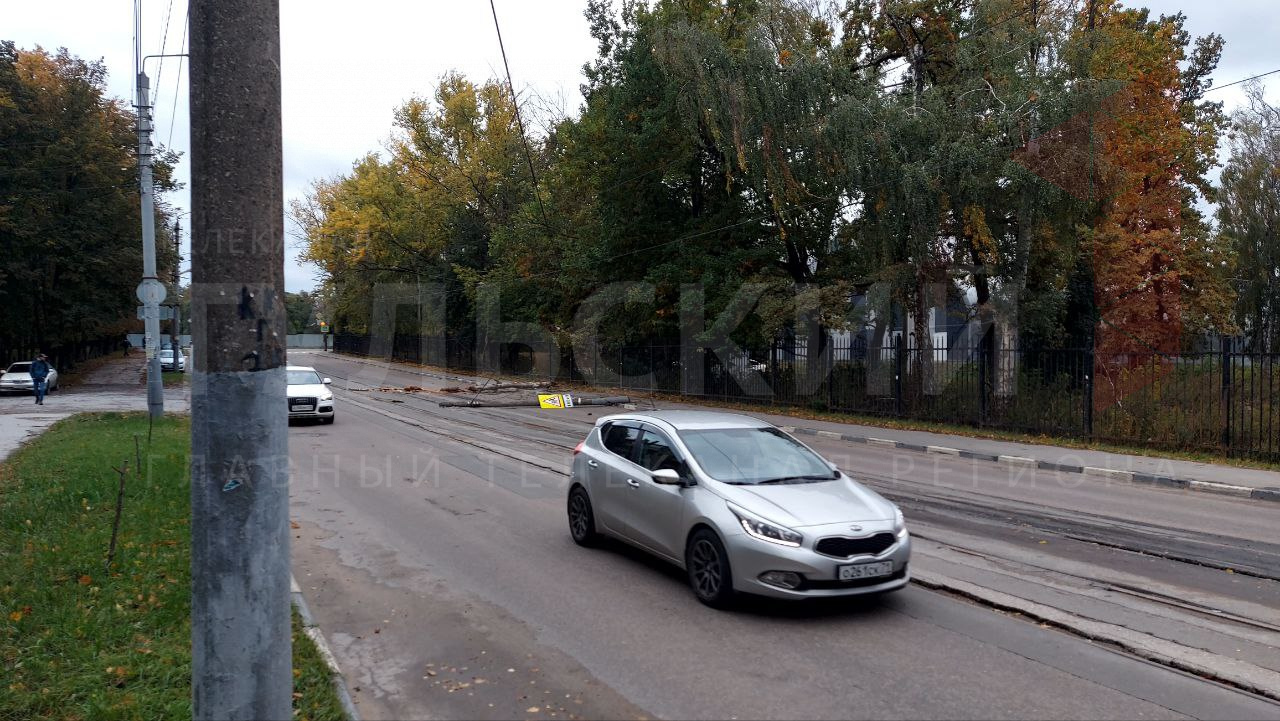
1218	401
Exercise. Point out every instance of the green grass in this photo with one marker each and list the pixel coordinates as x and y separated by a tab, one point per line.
173	378
77	641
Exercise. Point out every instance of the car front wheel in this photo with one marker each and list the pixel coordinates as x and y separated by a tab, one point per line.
582	519
708	567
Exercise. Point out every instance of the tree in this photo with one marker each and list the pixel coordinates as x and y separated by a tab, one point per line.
1249	218
301	311
69	209
1156	269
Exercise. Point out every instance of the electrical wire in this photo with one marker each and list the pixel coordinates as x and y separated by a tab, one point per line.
177	86
164	41
1244	80
515	102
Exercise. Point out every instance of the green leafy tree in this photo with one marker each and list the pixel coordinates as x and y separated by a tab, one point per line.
68	206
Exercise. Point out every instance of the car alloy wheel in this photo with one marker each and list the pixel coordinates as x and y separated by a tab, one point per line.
582	521
708	568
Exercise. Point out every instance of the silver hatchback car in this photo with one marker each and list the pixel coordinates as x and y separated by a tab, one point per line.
737	503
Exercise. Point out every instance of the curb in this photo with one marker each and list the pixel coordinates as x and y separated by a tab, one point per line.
1137	477
316	635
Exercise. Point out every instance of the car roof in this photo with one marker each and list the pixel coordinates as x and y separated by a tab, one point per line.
682	420
299	368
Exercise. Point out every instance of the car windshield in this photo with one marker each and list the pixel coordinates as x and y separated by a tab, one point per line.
750	456
303	378
19	368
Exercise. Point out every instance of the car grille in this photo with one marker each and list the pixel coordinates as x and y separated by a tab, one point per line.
293	402
841	547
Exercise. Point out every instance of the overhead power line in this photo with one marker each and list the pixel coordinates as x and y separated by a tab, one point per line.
515	102
1245	80
164	41
177	85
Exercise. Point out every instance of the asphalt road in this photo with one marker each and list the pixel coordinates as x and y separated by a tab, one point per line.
432	548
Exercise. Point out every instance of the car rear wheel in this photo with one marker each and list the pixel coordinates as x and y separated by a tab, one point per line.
708	567
582	519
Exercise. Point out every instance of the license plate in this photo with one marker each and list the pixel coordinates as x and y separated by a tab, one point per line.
302	407
864	570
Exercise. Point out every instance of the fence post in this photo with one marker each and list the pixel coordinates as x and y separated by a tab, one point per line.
898	359
1226	394
984	357
652	378
773	368
829	350
1088	391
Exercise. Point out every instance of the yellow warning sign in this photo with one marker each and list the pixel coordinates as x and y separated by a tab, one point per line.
555	400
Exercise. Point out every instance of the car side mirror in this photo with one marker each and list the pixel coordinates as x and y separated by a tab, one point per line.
667	477
833	466
328	381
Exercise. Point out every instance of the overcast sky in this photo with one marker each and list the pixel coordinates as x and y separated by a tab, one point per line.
348	64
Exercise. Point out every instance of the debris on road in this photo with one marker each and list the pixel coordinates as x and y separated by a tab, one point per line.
391	389
495	387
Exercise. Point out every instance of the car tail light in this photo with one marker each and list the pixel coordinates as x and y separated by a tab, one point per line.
578	448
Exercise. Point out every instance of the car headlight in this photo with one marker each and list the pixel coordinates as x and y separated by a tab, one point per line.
899	523
763	530
326	397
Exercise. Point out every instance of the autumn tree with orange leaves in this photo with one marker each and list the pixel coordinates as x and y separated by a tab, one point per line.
1158	273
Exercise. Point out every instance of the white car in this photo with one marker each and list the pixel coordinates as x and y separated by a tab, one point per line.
309	394
168	363
17	378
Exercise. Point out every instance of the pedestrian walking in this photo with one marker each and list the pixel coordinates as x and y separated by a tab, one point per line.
39	374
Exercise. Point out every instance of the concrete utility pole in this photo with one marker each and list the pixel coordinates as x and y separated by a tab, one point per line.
150	291
240	646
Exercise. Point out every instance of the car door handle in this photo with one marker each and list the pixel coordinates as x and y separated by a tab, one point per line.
593	464
633	483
